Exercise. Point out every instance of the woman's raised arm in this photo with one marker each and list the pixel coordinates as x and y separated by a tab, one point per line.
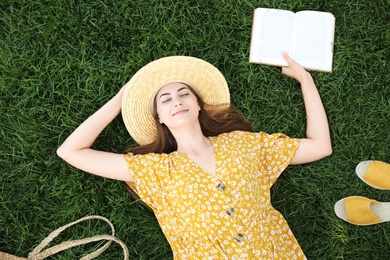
317	143
76	149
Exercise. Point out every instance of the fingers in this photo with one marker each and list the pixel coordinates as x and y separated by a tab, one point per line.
286	69
291	63
293	69
287	57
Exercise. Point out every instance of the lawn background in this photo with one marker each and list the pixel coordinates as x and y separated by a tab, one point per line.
61	60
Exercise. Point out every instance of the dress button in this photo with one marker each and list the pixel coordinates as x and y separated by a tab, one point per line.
239	238
230	211
221	186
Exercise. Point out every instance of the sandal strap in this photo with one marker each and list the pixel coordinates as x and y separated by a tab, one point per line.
358	211
378	174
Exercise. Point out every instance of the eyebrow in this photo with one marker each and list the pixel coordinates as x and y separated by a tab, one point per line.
167	94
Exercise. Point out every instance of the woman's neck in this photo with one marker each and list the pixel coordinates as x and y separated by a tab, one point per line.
191	141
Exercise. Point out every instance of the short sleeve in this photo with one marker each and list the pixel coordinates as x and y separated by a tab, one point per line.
148	174
276	152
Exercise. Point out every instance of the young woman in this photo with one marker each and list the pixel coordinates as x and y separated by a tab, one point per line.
201	169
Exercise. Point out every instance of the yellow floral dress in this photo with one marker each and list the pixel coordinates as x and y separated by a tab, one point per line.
224	217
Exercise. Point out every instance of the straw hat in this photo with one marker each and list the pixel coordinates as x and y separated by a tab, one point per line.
140	91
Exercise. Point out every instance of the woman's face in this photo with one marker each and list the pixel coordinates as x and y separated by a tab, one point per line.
176	105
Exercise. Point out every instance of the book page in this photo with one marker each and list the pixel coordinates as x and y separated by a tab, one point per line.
313	41
272	33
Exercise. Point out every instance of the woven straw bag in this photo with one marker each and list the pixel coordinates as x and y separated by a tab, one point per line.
38	253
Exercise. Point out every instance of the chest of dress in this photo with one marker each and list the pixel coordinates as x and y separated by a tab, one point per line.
203	204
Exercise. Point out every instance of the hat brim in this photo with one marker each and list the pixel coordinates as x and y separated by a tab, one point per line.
143	86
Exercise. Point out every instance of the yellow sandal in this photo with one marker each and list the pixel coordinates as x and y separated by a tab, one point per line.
362	211
374	173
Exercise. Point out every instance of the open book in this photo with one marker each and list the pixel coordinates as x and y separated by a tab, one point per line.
307	36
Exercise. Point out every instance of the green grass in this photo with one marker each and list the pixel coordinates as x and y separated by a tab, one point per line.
61	60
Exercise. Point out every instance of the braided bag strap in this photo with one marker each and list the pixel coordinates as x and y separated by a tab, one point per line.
6	256
38	254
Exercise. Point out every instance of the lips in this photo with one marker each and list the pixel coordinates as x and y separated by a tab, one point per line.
180	112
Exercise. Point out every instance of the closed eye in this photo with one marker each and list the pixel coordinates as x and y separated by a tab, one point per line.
166	100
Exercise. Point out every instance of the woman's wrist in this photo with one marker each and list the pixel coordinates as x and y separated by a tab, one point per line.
306	79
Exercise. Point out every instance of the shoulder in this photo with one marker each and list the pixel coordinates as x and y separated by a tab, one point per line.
235	135
239	139
261	139
146	159
243	135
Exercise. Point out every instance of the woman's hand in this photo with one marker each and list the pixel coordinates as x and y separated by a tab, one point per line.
120	92
294	70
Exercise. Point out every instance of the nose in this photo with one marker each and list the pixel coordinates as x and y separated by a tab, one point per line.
178	103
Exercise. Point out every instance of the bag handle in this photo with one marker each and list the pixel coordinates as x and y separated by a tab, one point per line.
38	254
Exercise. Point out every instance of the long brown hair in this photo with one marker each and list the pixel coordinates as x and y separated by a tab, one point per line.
214	120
